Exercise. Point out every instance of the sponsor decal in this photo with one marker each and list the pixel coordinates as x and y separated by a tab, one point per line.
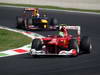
62	52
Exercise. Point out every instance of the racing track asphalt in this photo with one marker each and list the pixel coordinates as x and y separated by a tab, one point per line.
87	64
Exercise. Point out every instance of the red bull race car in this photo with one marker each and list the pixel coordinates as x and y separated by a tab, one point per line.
32	20
66	44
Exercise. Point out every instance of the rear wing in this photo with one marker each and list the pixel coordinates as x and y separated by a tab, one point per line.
29	9
72	28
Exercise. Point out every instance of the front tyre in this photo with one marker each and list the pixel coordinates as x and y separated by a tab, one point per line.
53	21
20	21
85	44
36	44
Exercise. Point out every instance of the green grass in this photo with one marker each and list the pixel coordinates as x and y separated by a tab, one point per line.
10	40
51	7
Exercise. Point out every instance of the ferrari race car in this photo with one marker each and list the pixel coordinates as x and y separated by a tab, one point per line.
31	19
67	44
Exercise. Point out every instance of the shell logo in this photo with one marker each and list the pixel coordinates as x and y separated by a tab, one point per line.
62	52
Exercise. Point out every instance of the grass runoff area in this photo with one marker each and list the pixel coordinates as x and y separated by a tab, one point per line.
51	7
10	40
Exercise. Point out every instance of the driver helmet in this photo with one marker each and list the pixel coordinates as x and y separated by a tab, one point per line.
63	31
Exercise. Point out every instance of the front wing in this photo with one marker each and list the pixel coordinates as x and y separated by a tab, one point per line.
62	52
32	27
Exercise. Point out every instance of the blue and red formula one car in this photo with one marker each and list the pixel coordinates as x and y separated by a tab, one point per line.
63	44
32	20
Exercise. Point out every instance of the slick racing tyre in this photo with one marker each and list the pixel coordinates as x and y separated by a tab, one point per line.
20	21
74	45
85	44
29	21
53	21
36	44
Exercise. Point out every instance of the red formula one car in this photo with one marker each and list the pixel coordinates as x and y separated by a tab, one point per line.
62	45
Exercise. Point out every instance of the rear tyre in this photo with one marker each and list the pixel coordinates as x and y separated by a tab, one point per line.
36	44
74	45
85	45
